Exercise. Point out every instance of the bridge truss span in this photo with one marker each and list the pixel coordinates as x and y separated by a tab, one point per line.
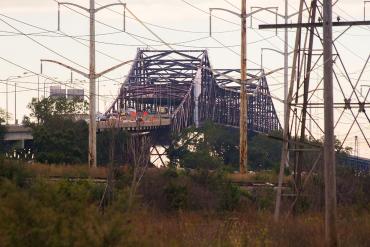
181	85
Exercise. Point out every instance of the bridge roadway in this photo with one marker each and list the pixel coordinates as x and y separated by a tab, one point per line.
18	133
148	123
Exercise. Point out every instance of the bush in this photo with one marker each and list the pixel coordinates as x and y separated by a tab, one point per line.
200	160
195	190
58	214
176	196
14	171
264	199
230	196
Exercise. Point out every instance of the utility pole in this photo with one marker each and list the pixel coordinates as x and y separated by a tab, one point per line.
329	142
243	121
92	90
38	88
92	75
15	104
98	96
356	147
7	96
243	145
286	71
6	107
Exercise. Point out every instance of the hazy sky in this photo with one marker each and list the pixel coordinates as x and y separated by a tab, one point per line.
39	19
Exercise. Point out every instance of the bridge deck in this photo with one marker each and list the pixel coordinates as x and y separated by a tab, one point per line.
128	124
18	133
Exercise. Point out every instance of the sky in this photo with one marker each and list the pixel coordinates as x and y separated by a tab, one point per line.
184	25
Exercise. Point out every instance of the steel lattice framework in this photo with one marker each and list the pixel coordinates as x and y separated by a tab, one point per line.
183	83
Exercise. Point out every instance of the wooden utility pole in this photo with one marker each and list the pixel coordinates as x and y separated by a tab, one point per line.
243	115
92	90
329	152
243	145
92	75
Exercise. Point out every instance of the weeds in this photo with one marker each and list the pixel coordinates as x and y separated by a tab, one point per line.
172	209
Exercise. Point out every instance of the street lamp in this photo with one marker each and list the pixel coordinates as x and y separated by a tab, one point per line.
15	99
271	49
52	79
365	2
7	80
361	86
7	97
267	9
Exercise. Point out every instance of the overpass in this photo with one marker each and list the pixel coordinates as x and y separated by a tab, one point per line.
18	135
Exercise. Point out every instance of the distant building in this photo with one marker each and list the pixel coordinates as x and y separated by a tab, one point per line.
76	94
57	92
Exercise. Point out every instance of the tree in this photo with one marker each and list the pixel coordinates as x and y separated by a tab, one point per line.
213	145
208	147
139	146
264	151
61	140
50	108
58	137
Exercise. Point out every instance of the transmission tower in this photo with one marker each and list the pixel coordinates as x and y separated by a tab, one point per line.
306	93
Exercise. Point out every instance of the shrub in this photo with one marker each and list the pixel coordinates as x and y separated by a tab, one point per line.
176	196
200	160
230	196
14	171
264	199
58	214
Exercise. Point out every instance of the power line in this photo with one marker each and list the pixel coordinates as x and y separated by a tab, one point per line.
232	5
137	37
205	12
51	50
171	28
66	84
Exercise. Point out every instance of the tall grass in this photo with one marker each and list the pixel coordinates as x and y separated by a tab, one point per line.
205	211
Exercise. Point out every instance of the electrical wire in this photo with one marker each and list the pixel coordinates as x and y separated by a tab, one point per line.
67	84
51	50
169	28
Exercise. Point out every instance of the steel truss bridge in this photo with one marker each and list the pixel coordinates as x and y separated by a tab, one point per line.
182	84
181	89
